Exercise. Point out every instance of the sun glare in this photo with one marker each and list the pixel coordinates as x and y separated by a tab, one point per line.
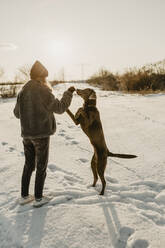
60	50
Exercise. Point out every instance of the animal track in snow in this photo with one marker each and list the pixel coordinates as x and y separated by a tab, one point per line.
83	160
52	167
71	126
140	243
11	149
147	118
61	134
22	153
8	148
3	169
74	142
4	143
62	131
68	137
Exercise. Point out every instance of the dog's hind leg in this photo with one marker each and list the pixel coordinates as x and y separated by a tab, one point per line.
94	170
102	161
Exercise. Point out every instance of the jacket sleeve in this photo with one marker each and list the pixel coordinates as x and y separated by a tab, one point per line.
60	106
16	109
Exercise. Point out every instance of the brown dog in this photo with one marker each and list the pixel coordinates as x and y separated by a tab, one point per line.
89	119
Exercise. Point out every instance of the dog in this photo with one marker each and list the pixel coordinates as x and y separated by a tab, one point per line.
89	119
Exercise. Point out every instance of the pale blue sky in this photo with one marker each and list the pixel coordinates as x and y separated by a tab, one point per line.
114	34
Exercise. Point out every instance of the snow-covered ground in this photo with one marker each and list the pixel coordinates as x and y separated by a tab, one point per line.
132	212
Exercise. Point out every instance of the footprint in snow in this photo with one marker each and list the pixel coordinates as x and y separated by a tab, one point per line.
74	142
61	134
140	243
68	138
52	167
3	169
147	118
4	143
62	131
83	160
71	126
11	149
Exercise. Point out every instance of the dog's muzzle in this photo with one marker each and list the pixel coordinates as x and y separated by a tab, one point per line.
78	91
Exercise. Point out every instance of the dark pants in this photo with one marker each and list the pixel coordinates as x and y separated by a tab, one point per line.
36	156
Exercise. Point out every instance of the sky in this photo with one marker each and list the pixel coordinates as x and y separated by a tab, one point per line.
76	38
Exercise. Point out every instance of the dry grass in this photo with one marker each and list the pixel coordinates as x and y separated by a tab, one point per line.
149	78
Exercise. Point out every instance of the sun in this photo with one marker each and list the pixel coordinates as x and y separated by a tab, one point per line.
60	50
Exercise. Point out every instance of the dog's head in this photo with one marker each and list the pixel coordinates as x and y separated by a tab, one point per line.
89	95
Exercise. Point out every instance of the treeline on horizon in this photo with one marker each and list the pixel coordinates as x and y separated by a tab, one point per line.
149	78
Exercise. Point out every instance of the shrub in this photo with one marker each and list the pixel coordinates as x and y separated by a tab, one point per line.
148	78
104	79
7	92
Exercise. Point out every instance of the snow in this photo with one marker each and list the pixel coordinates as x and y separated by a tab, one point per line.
132	212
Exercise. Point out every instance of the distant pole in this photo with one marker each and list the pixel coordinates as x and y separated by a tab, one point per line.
82	72
82	66
62	74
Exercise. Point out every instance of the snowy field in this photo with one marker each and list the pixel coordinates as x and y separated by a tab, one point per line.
132	212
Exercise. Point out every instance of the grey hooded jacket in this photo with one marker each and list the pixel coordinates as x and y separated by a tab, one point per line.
35	107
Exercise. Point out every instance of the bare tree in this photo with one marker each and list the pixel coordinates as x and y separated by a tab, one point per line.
23	74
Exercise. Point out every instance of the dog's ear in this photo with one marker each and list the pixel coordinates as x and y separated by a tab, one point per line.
92	96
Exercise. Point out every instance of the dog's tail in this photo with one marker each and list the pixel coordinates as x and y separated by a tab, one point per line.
117	155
